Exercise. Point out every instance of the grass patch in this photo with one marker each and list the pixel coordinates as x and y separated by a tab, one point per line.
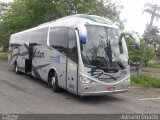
3	55
145	80
155	65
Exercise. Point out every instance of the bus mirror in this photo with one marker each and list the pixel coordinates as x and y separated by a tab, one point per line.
82	33
134	36
137	40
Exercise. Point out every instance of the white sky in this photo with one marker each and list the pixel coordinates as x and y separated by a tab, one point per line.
132	12
6	0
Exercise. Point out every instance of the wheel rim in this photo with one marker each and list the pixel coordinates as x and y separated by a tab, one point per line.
53	81
16	69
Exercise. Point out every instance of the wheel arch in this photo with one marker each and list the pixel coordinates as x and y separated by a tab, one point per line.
15	63
51	71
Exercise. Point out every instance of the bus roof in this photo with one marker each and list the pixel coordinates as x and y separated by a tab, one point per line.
72	20
90	18
85	19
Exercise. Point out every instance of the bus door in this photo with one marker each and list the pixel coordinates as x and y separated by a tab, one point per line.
24	59
28	57
72	60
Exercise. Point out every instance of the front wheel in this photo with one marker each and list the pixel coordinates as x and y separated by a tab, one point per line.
16	68
54	82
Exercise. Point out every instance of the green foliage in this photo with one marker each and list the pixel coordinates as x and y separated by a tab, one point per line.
135	54
158	52
154	65
24	15
157	39
3	43
109	9
28	14
149	55
145	80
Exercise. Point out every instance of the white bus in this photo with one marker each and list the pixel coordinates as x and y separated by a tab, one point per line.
83	54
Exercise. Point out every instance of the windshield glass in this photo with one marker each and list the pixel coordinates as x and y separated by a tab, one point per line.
103	48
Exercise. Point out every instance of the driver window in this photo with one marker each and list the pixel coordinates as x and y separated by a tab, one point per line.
72	46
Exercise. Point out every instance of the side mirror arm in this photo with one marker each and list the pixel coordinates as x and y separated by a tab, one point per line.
135	36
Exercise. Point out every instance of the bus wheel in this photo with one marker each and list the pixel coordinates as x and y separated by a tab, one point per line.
54	83
16	68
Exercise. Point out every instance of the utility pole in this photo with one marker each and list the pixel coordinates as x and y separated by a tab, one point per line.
153	10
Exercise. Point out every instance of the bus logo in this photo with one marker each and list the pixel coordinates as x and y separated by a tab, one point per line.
57	58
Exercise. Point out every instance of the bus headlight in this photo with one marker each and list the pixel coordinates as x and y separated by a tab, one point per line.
85	80
127	80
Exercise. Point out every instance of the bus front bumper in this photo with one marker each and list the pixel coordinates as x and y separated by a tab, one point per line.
101	93
103	88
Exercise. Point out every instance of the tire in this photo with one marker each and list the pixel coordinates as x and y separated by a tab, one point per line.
16	68
53	82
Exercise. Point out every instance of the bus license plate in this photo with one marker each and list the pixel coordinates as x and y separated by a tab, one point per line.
111	89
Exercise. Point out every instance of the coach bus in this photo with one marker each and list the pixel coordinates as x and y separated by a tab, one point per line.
83	54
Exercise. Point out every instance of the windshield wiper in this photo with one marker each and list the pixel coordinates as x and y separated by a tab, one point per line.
120	64
107	69
97	74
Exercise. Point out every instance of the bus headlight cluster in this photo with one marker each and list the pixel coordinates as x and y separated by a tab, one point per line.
85	80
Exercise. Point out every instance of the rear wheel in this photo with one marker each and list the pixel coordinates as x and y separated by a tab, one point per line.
53	82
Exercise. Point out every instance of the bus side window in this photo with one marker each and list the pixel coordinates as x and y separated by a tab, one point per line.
72	46
58	39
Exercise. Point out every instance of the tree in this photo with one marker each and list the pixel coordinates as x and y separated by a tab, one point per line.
24	15
158	52
109	9
135	54
155	38
153	10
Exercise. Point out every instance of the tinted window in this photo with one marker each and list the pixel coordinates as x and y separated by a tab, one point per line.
58	38
72	46
36	36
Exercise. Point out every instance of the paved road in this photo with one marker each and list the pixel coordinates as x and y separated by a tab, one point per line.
24	94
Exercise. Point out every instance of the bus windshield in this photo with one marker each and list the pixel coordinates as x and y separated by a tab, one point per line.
103	48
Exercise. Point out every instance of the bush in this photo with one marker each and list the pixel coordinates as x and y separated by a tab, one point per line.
3	55
135	54
145	80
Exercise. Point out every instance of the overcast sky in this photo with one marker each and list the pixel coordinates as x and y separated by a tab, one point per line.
6	0
132	12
